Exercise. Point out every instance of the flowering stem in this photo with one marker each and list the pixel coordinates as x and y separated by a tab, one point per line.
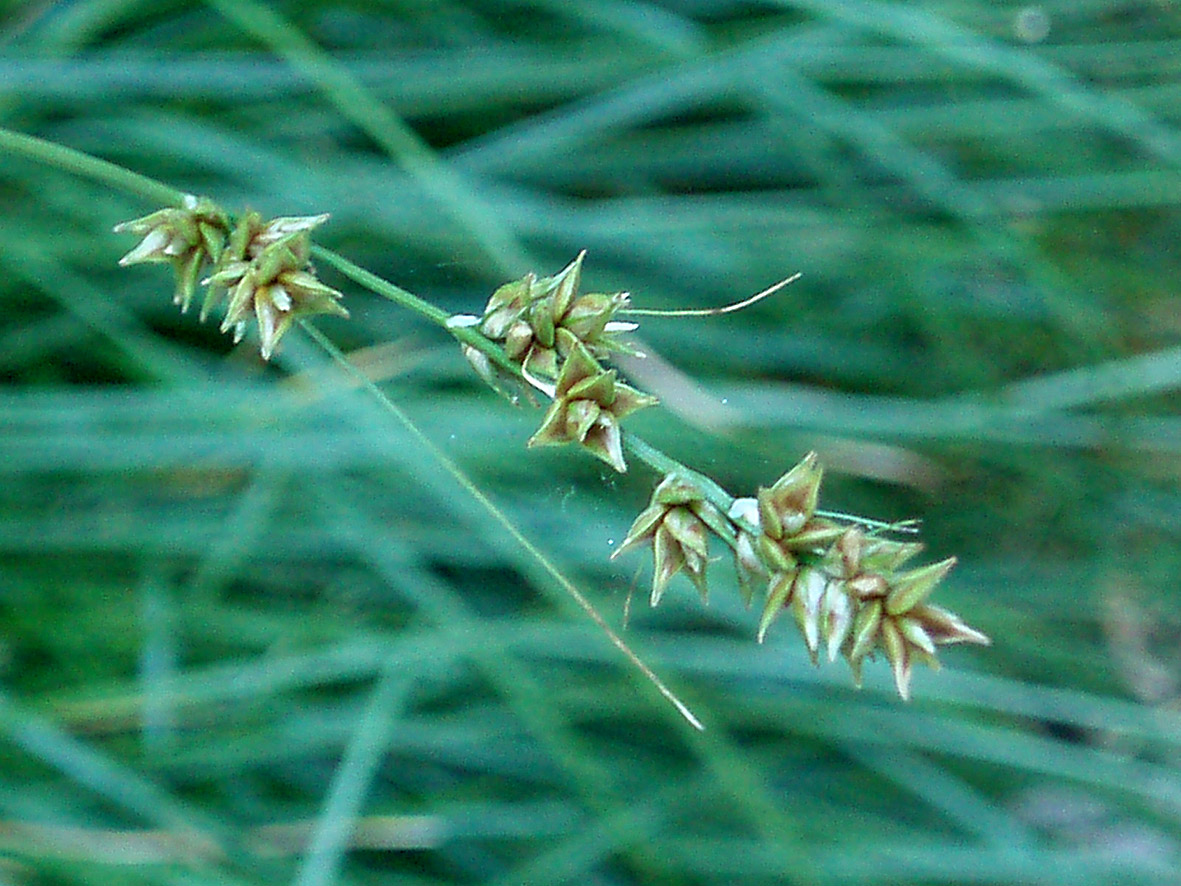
866	604
659	461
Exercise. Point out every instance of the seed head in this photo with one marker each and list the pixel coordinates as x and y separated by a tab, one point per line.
526	315
677	524
588	405
186	237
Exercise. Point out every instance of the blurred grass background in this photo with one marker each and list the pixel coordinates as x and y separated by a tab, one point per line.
238	616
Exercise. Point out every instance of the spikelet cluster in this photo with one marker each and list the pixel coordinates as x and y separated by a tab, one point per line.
845	588
260	268
558	337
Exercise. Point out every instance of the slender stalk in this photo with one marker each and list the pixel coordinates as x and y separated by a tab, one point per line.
713	312
424	309
92	168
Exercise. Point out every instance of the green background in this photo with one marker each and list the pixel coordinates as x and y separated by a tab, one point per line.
235	596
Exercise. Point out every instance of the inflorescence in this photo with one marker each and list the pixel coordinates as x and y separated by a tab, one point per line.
842	580
263	268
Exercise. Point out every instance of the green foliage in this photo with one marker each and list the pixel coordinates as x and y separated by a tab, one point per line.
241	607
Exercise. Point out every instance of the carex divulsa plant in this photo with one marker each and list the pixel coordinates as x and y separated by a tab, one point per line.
841	578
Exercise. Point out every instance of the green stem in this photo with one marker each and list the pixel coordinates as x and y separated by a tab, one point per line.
87	167
426	310
663	463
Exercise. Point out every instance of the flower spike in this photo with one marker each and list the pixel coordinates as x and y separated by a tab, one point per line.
188	238
526	316
843	586
841	578
677	523
262	267
588	405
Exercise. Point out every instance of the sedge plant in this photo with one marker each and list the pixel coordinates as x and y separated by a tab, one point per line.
849	584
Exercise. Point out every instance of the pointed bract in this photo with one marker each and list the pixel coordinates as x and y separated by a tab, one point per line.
864	635
791	502
911	588
807	598
780	589
837	618
946	628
